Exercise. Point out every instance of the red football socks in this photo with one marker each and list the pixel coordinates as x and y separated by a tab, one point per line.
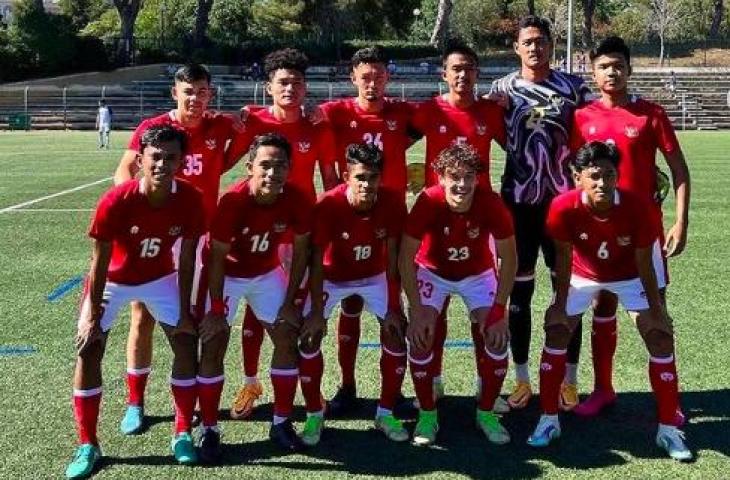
86	412
209	399
252	336
663	377
311	367
552	371
185	395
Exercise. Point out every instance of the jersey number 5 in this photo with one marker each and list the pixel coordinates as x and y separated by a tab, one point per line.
193	164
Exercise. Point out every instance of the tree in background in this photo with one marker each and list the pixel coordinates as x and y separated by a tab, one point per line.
718	13
441	27
202	18
128	10
662	21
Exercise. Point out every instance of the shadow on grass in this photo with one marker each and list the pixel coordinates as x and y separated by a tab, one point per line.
627	429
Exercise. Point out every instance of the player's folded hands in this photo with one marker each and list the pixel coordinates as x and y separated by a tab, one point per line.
87	333
496	335
288	313
395	324
211	326
420	329
314	329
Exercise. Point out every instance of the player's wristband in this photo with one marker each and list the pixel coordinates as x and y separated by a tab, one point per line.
394	295
217	307
496	313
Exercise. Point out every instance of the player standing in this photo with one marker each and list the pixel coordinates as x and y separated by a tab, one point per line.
203	165
355	238
371	118
638	128
538	122
103	124
134	228
603	240
312	145
253	219
456	118
446	251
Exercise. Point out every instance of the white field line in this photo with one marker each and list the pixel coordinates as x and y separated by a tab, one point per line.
53	195
33	210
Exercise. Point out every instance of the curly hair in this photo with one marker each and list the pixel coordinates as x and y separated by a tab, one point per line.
288	59
457	157
366	154
374	54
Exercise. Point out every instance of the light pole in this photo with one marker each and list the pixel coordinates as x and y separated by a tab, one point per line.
569	52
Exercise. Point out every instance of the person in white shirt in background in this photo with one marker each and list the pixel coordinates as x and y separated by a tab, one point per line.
104	124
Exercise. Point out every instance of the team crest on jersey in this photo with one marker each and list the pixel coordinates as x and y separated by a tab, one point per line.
134	230
345	236
446	230
279	227
353	124
392	125
244	231
623	241
472	233
631	131
380	233
666	376
481	129
442	129
211	143
584	236
175	230
592	130
304	147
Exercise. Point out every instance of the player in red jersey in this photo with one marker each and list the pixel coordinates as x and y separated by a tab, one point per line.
203	164
134	228
253	219
355	239
458	117
312	145
603	240
371	118
446	251
638	128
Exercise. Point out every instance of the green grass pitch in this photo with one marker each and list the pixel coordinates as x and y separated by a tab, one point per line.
44	244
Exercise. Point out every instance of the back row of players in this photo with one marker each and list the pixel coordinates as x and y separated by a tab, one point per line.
361	247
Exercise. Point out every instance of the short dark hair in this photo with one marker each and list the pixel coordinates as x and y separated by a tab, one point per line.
456	45
458	156
192	72
287	59
540	23
366	154
590	153
154	136
270	140
372	54
611	45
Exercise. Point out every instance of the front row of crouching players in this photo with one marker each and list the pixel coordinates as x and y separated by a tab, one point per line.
447	248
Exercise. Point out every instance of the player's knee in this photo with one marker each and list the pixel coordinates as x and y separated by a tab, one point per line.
659	343
285	340
352	305
557	336
605	305
521	296
392	342
307	347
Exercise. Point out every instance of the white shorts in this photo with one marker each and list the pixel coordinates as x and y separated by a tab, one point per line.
477	291
161	296
264	294
630	294
660	267
198	266
373	290
104	128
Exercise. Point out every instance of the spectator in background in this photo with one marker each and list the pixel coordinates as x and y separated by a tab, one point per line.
104	124
392	68
672	85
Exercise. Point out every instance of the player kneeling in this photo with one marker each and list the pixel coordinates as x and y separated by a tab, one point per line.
251	222
134	229
608	233
355	252
446	251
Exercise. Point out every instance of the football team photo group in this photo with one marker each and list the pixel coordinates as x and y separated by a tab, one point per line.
319	221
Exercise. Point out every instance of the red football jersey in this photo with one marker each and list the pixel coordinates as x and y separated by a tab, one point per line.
311	144
388	129
638	130
255	231
603	247
456	245
204	156
444	125
142	236
354	243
